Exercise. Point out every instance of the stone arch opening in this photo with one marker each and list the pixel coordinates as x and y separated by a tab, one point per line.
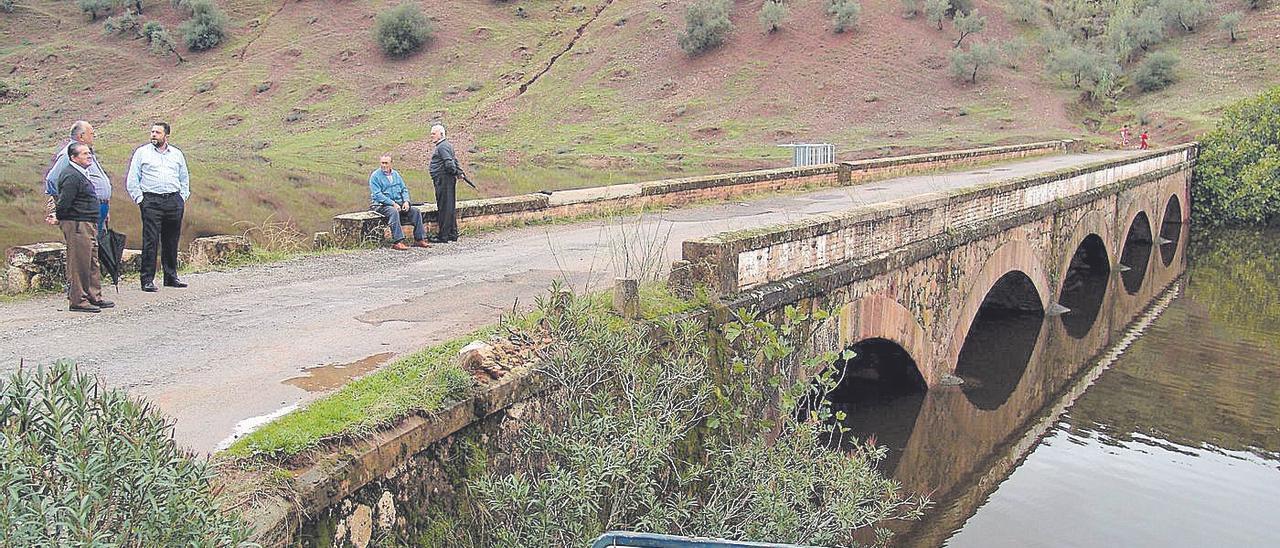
1136	254
1084	286
1170	230
1000	341
880	391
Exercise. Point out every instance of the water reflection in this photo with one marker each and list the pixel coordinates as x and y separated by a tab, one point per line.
966	440
1000	341
1085	286
881	391
1136	254
1170	230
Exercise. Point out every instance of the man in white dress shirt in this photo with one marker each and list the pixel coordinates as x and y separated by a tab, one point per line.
159	183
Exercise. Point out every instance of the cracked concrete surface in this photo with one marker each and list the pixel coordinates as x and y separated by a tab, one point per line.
220	351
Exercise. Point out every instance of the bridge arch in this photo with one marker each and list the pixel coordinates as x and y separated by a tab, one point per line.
1135	251
1170	229
1085	277
881	317
1015	256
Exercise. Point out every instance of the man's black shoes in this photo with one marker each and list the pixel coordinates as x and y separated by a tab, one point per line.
150	287
103	304
437	240
175	283
85	308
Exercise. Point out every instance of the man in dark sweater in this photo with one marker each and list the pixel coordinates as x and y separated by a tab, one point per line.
444	176
77	212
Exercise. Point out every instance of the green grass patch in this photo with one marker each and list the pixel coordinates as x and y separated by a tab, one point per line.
422	382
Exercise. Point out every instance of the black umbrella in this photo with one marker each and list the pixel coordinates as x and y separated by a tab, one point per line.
111	253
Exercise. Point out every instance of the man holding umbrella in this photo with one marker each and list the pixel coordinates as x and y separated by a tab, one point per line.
444	176
78	212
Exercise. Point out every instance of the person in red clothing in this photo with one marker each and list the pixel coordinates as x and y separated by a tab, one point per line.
1142	140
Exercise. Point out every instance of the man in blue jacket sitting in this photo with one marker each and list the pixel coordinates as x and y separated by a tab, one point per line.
389	197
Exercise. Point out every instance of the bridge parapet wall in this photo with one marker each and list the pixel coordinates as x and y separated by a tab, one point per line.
363	226
738	261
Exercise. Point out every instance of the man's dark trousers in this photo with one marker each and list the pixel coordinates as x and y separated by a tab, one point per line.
446	216
161	226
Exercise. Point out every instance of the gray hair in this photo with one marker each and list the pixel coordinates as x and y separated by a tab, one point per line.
78	129
76	148
439	128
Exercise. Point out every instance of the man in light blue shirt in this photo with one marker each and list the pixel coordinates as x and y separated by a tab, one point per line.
390	197
159	183
82	132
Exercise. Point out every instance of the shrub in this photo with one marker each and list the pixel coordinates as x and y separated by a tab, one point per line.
94	7
402	30
7	6
1184	13
158	40
9	92
1084	68
968	23
966	64
1238	170
772	13
844	14
910	8
123	23
135	5
707	26
1012	51
1026	11
83	465
1156	71
1230	22
935	11
207	26
1128	34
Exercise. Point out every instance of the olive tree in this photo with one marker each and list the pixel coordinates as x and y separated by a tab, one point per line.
772	14
401	30
1230	22
707	26
967	24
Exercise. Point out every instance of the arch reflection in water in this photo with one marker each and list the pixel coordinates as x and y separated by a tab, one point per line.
881	391
1136	254
1085	286
1170	230
1000	341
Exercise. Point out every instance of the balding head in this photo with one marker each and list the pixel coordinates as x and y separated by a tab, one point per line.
82	131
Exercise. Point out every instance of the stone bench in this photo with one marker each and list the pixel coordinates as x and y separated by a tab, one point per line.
43	266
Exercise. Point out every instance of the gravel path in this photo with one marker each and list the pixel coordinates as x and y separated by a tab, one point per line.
250	342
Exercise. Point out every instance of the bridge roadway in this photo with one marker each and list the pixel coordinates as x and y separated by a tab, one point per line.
216	356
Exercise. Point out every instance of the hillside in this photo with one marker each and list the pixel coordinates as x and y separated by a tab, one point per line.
285	119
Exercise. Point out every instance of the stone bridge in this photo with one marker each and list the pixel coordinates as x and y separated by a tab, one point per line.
916	272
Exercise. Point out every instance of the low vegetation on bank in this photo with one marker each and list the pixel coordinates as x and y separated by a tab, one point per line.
81	465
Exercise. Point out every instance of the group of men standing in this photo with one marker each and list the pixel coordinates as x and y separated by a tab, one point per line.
389	196
79	192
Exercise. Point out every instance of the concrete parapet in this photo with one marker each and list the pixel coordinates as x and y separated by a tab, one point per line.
350	229
44	266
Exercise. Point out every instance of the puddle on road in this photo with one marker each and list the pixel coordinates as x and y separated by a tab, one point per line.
328	377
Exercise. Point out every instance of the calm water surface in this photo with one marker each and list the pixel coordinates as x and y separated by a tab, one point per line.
1156	425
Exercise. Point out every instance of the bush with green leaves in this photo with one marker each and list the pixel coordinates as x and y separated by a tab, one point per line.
401	30
696	435
844	14
1083	67
1128	33
8	6
1026	11
95	7
1156	71
81	465
910	8
935	11
1238	170
1230	23
126	23
159	42
1013	51
135	5
207	26
707	26
968	24
772	14
966	64
1186	14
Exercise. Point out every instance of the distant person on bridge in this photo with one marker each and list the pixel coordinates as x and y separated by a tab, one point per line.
390	197
77	213
444	176
1142	141
159	183
1124	137
81	132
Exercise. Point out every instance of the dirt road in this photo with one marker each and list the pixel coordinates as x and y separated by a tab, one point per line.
251	342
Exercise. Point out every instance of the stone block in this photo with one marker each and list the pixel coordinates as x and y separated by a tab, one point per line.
17	280
214	250
356	229
626	297
130	261
37	254
43	265
322	240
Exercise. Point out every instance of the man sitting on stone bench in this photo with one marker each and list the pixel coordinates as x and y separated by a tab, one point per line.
390	197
